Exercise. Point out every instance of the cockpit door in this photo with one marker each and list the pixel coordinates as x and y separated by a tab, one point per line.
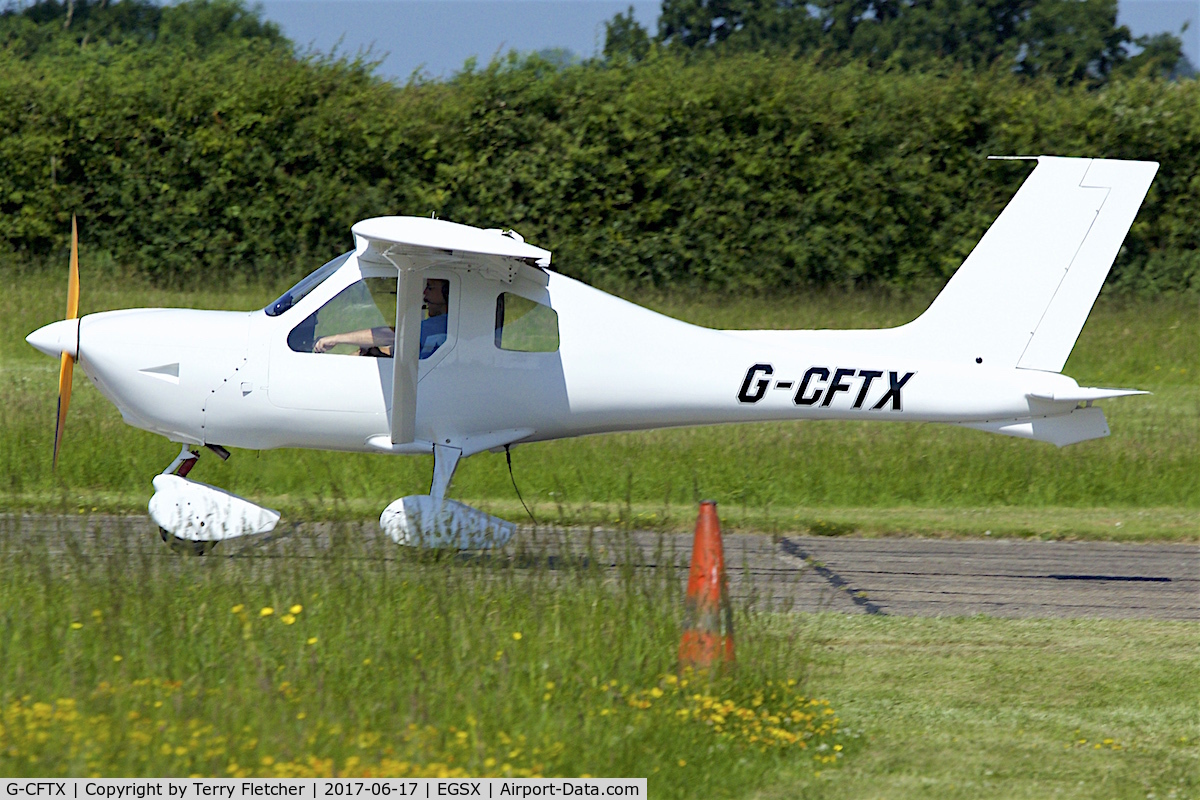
333	351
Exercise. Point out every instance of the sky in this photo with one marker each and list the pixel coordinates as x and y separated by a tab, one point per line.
436	37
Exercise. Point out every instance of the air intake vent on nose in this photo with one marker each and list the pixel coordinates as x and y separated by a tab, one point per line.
166	372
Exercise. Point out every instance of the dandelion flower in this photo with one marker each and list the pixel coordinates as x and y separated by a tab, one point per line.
288	619
312	640
516	636
296	609
76	626
239	608
682	762
266	612
366	662
116	659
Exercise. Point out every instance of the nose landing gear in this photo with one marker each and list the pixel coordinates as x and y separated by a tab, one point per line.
192	517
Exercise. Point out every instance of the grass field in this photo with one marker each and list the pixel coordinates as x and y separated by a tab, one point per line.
369	662
975	708
828	477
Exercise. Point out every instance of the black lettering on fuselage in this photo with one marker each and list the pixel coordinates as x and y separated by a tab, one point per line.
745	395
868	376
800	399
836	385
893	392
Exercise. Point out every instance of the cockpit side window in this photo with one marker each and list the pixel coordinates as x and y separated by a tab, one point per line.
524	325
306	285
361	320
436	315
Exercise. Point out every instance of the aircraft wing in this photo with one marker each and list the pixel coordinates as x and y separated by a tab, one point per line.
413	244
417	243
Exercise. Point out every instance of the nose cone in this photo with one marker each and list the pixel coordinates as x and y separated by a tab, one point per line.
57	338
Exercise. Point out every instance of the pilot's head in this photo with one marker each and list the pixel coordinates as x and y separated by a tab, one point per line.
437	296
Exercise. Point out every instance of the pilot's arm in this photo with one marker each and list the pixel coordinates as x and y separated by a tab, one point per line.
382	337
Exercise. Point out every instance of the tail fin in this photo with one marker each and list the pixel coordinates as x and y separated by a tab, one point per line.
1023	294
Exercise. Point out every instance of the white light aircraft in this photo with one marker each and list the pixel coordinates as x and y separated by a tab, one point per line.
435	337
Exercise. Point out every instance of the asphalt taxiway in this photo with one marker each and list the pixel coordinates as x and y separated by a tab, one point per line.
883	576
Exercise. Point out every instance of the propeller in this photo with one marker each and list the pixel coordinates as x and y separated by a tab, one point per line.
66	368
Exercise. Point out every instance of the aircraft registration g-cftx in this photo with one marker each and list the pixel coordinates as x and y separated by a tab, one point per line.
435	337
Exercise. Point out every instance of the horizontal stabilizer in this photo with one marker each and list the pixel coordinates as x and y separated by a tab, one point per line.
1084	394
1061	430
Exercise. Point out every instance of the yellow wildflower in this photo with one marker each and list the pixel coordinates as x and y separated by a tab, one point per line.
116	659
288	619
239	608
312	640
76	626
516	636
296	609
266	612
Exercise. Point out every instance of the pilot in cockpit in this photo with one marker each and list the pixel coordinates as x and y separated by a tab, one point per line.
379	341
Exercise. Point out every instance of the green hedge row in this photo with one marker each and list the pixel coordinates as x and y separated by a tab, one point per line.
739	172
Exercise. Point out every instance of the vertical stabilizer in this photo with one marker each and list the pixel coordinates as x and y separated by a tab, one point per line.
1023	294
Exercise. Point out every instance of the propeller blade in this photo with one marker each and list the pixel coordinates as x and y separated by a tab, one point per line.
66	369
65	372
73	275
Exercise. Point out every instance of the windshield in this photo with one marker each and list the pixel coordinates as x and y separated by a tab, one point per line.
313	280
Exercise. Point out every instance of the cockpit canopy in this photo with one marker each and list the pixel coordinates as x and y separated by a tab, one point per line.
306	285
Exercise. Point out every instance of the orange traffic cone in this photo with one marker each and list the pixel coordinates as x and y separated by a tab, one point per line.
708	615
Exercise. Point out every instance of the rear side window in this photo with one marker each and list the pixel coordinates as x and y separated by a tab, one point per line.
524	325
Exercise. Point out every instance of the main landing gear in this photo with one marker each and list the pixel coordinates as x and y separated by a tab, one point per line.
430	520
192	517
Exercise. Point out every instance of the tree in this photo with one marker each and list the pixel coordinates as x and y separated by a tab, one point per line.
738	24
1161	56
625	39
202	24
1068	41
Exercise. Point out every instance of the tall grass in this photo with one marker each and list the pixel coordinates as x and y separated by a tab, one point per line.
336	656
